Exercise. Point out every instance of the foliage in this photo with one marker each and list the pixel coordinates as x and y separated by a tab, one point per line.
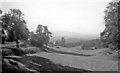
35	41
88	43
7	52
0	11
57	43
41	37
30	50
0	26
111	31
14	23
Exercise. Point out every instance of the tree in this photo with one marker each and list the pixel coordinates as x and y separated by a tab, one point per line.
42	36
0	11
14	22
0	26
111	32
63	41
47	35
57	43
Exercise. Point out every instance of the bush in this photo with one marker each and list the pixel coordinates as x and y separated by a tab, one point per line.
112	47
7	52
31	50
20	51
36	43
12	51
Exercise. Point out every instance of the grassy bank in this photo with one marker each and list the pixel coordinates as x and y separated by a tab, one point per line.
33	64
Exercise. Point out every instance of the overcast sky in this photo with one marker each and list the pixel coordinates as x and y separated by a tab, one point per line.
81	16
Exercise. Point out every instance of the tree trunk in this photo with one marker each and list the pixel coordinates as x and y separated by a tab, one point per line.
3	40
17	43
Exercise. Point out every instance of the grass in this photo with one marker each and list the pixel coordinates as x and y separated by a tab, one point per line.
69	53
39	64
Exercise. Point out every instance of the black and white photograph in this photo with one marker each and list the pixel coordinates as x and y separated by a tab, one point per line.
59	36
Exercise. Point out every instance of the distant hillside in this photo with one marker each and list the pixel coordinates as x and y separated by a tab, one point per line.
71	36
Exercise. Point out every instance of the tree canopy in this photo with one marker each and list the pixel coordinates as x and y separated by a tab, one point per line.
41	37
111	31
15	24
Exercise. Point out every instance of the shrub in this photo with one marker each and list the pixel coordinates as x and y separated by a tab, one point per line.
7	52
12	51
31	50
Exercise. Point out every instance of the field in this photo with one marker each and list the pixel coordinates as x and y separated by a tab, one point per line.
36	60
94	60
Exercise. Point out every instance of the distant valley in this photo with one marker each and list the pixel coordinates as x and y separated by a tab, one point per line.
71	36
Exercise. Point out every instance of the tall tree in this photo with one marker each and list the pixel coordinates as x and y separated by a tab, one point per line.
111	32
42	36
16	25
0	26
43	33
47	35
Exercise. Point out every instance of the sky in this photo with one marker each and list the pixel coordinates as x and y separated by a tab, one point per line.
80	16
